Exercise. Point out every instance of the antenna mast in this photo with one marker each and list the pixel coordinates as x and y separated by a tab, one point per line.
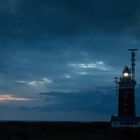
133	62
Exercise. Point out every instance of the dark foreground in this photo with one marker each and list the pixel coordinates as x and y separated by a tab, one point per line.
64	131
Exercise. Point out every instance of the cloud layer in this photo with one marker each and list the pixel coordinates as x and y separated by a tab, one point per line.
30	20
64	55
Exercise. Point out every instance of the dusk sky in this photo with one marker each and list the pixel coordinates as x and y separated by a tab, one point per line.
58	58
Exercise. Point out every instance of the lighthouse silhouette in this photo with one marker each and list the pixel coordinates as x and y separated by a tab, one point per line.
125	88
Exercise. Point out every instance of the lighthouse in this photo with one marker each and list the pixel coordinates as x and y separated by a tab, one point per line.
126	97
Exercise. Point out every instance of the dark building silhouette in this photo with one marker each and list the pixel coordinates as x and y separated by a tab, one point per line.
126	97
126	105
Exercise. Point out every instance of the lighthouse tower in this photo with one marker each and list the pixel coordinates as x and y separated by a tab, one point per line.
126	105
126	97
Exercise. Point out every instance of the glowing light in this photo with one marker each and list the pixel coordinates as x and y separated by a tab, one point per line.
126	74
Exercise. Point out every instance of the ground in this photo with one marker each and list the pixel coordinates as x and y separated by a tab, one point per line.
64	131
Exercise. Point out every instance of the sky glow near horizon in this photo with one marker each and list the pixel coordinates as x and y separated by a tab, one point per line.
60	57
6	98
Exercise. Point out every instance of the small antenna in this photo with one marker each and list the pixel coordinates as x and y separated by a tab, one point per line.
133	61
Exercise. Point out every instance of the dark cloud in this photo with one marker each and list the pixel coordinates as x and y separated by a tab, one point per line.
55	46
34	20
76	100
105	99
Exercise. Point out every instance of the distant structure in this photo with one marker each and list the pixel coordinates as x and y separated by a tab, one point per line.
125	89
